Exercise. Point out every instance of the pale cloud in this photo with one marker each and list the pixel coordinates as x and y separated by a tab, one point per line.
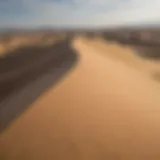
78	13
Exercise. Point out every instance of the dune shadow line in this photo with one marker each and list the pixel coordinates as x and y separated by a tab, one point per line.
22	83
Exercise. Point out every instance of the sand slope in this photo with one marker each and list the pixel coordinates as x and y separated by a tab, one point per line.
104	109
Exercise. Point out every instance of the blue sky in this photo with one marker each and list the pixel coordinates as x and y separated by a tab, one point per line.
78	13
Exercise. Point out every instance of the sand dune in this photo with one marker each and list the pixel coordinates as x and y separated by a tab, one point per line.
13	42
105	109
125	54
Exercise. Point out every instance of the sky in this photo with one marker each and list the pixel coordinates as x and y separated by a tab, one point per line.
78	13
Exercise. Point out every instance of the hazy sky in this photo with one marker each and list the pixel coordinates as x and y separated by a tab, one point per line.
78	13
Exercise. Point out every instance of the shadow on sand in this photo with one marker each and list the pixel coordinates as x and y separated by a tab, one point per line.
27	72
149	50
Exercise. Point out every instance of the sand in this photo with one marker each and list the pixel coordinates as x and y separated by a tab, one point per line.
17	42
104	109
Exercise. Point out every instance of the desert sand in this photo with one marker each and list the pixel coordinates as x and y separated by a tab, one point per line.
106	108
18	41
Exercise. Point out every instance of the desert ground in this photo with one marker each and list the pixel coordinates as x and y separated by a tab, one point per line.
106	107
11	41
